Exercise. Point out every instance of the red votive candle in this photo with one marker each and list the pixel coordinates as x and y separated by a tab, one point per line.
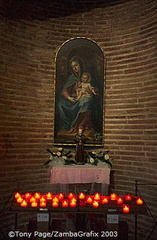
89	200
32	199
104	200
55	199
70	195
55	204
113	196
42	199
24	204
17	195
42	203
119	200
64	203
60	196
126	209
27	196
49	196
95	204
19	200
97	196
128	197
74	199
73	202
81	196
139	201
37	195
34	204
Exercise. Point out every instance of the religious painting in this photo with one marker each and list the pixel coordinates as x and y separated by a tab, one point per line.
79	92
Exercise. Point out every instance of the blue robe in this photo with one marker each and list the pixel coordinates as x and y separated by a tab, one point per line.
69	112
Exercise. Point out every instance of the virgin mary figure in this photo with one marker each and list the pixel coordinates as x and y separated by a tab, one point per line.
74	113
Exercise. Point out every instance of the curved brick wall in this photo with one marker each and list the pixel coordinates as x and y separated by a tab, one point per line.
126	32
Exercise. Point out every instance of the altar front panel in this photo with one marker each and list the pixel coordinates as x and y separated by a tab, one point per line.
64	176
79	174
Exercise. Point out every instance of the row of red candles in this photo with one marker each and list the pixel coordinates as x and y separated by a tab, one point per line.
72	200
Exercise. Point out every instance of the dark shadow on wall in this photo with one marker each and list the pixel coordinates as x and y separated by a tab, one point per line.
44	9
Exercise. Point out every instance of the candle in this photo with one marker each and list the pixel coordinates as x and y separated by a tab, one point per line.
139	201
119	200
81	196
34	204
27	196
32	199
104	200
42	203
128	197
73	202
97	196
42	199
17	195
113	196
89	200
70	195
60	196
37	195
95	204
126	209
74	199
55	203
19	200
55	199
65	203
24	203
49	196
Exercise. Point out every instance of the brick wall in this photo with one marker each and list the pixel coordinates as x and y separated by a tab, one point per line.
126	32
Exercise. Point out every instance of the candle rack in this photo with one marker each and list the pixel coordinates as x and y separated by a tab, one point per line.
78	203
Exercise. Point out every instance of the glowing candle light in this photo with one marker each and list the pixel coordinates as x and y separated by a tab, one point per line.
32	199
71	195
24	204
65	203
42	199
126	209
60	196
17	195
97	196
104	200
37	195
119	200
55	204
27	196
95	204
113	196
42	203
73	202
55	199
81	196
139	201
89	200
34	204
49	196
19	200
74	199
128	197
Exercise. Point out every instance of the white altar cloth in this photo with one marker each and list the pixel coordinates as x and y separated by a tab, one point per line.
81	174
69	174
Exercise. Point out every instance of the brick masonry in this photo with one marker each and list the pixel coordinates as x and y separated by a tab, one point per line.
127	34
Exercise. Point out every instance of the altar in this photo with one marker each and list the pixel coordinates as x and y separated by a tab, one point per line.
97	176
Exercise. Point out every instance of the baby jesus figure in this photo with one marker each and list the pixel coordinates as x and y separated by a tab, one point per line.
85	88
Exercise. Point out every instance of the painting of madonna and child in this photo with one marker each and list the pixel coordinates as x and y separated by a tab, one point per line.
79	92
